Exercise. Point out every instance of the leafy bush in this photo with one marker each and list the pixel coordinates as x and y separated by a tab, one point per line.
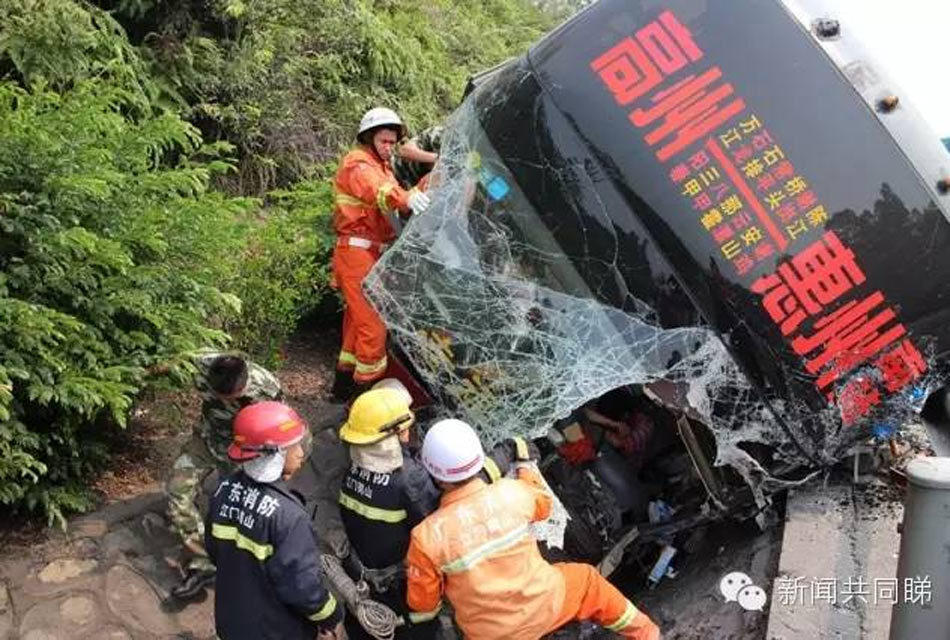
120	247
287	80
285	269
108	265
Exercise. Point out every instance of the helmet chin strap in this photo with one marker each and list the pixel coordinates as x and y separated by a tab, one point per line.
394	425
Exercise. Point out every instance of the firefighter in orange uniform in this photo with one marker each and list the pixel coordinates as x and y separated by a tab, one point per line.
476	550
368	202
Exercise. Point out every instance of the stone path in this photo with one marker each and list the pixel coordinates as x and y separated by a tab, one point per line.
103	580
106	578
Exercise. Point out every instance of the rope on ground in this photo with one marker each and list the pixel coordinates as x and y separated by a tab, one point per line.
379	620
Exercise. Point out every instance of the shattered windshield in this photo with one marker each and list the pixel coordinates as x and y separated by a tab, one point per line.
499	317
685	223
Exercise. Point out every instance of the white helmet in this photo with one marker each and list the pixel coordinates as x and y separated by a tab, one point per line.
381	116
395	385
451	451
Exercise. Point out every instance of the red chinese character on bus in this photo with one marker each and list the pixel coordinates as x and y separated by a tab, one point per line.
818	275
631	68
679	173
857	398
702	202
848	337
742	154
900	366
743	264
669	43
690	109
786	212
806	200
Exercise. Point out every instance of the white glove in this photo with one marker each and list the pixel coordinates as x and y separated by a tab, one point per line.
418	201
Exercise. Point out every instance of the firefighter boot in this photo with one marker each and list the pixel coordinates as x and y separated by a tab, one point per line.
343	385
193	584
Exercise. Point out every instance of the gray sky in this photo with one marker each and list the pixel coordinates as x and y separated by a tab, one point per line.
909	39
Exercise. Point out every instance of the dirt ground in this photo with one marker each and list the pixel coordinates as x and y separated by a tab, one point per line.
161	422
691	606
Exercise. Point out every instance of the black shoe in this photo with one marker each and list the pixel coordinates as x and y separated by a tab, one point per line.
193	584
359	388
343	385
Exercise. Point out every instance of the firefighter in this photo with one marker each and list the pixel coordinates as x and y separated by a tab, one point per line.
384	495
226	382
368	200
269	582
476	551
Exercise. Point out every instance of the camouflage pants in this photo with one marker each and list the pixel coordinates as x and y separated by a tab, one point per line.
184	489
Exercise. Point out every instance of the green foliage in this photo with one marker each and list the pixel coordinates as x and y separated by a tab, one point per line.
287	80
285	269
57	43
108	265
120	246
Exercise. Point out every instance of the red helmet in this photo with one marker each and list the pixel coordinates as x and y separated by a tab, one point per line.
263	428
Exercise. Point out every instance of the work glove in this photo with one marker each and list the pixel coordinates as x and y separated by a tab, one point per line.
418	201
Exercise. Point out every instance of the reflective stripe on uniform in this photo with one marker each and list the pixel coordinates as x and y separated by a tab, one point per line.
475	556
373	513
347	357
491	468
345	199
521	448
628	615
416	617
382	195
375	367
256	549
326	611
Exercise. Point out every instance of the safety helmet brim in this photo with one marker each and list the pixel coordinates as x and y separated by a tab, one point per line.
353	435
239	454
379	117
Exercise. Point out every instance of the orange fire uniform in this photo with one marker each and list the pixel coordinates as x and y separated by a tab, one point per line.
477	551
366	193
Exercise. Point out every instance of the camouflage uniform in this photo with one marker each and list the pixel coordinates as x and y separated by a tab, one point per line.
409	173
206	451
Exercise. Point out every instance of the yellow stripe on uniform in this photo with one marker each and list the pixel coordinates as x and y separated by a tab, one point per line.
326	611
348	200
628	615
256	549
374	367
472	558
373	513
521	448
347	357
491	468
416	617
382	195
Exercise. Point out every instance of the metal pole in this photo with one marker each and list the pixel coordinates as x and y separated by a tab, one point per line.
922	609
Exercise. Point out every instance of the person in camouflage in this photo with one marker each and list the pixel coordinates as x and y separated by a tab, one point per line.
415	157
227	383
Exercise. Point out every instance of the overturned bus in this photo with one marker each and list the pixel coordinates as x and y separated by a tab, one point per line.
715	223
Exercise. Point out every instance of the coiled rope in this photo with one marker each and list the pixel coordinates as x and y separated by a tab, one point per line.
376	618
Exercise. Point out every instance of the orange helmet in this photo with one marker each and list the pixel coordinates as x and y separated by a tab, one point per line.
263	428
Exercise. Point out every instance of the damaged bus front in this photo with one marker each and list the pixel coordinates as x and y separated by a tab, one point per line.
702	216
